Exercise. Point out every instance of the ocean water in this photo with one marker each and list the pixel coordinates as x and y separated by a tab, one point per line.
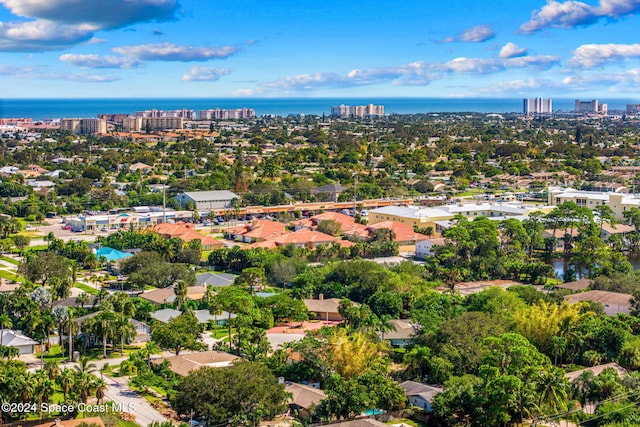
41	109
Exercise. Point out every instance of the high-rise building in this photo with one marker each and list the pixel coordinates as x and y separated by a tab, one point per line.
357	110
633	108
587	106
537	106
138	124
84	126
218	113
183	114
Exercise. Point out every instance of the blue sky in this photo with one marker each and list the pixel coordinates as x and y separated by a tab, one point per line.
283	48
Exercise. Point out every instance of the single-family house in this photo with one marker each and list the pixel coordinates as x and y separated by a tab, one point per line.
185	363
426	248
139	166
256	231
186	232
14	338
325	309
159	296
420	395
304	399
214	279
612	302
597	370
401	333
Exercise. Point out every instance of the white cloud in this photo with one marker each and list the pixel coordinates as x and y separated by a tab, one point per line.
204	74
493	65
517	86
414	74
172	52
58	24
511	50
477	34
592	55
248	92
97	61
103	14
570	14
40	35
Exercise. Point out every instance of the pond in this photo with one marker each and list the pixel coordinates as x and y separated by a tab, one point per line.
561	265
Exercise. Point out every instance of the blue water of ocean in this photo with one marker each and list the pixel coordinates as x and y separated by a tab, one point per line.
40	109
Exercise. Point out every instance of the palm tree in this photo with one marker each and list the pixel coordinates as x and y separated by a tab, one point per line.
180	289
104	326
384	324
84	378
66	381
82	299
125	329
5	322
101	386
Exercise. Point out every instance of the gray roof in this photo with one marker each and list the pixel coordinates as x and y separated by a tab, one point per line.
73	302
15	338
205	196
401	329
427	392
165	314
213	279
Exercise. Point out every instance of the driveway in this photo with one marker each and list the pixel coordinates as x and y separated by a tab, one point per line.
132	402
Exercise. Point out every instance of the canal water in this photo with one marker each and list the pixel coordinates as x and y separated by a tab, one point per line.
561	265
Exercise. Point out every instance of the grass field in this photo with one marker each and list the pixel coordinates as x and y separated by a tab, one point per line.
10	276
10	260
88	289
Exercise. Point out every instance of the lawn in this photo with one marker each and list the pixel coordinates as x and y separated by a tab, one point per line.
10	260
222	332
10	276
54	354
88	289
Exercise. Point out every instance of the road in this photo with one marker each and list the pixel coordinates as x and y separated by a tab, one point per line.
121	394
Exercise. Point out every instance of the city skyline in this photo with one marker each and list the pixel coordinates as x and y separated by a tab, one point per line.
165	48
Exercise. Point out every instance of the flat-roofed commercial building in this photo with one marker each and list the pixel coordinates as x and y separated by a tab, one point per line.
207	201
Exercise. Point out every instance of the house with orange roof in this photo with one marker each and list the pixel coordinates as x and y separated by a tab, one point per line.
305	239
256	231
404	233
187	233
312	222
348	224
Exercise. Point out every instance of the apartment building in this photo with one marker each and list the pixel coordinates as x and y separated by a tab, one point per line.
137	124
84	126
357	110
537	106
221	114
618	202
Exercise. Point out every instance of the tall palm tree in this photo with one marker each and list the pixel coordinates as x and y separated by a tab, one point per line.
123	328
384	325
66	381
84	378
5	322
104	326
